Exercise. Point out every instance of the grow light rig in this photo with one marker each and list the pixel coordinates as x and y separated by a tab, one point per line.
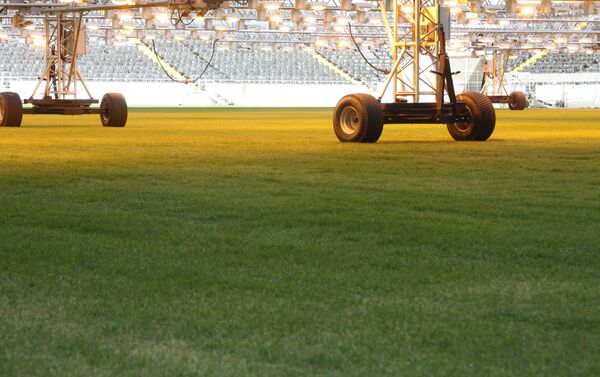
493	69
421	68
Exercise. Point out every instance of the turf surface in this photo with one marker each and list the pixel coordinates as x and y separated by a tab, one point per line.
250	242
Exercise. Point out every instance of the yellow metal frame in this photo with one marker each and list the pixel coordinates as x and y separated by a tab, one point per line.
415	51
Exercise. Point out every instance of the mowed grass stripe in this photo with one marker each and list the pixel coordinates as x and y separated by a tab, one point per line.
251	242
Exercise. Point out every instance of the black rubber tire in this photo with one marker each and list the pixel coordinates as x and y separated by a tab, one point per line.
114	110
483	118
517	101
367	121
11	110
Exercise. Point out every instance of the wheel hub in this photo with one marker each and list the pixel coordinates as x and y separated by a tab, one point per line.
105	113
464	126
349	121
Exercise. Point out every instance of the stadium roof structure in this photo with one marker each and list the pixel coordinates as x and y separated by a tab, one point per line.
481	24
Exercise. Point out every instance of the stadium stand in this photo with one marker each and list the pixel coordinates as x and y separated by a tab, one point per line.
518	60
250	64
100	63
245	64
561	62
351	62
258	66
118	63
20	61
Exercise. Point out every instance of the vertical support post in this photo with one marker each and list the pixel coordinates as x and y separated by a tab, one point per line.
504	63
63	31
73	62
60	53
417	48
395	46
494	72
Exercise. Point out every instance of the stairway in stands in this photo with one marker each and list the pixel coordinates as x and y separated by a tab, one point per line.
339	71
537	56
213	98
356	69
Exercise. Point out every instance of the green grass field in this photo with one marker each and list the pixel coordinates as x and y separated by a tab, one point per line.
237	242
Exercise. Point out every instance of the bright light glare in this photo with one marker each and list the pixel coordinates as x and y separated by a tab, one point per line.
455	10
38	41
162	17
276	18
527	11
318	6
343	43
125	16
271	5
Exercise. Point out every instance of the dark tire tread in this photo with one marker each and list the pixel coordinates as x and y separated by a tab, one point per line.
518	101
114	109
370	115
483	118
12	109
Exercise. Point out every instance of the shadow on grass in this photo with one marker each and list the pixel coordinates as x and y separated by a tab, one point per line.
69	126
436	142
